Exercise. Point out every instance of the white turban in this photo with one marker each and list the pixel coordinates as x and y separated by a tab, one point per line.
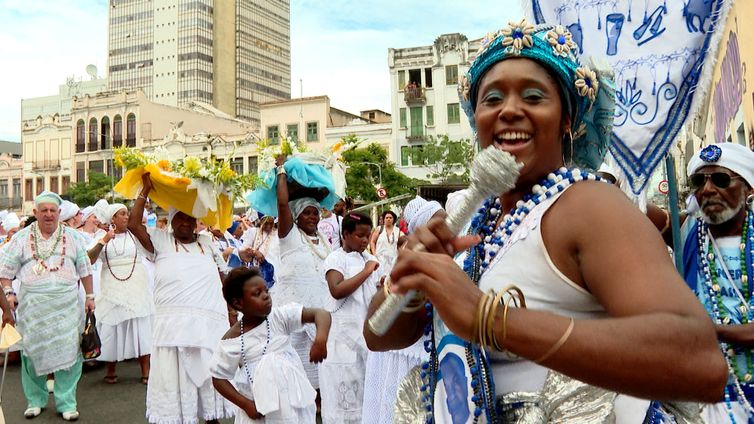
252	215
105	211
735	157
87	212
171	214
297	206
3	214
11	221
418	212
48	197
68	210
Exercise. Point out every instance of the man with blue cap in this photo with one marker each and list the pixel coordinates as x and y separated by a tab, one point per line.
718	252
48	259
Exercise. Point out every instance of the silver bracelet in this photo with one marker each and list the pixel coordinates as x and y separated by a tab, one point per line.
90	296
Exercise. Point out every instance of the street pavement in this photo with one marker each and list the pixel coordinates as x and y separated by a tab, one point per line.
99	403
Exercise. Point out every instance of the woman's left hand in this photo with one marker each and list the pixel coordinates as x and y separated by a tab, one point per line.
89	305
454	296
318	352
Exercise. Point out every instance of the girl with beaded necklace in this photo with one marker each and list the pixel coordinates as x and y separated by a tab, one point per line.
352	278
269	383
569	298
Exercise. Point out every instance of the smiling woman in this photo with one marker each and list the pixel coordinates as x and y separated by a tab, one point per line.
545	308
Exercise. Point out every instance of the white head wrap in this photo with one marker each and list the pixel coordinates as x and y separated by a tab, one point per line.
3	214
419	211
105	211
11	221
48	197
735	157
87	212
252	215
297	206
68	210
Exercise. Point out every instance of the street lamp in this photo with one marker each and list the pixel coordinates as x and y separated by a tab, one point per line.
379	169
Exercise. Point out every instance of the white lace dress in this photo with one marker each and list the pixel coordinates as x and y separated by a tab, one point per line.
301	279
124	304
275	381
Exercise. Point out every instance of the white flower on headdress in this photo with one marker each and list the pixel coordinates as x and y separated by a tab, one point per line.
587	83
561	41
518	35
464	88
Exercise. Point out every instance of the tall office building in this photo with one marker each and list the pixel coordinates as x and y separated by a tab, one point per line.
229	54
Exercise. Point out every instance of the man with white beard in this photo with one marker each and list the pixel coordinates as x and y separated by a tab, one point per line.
718	254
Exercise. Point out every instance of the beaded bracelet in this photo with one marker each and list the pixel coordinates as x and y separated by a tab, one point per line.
557	344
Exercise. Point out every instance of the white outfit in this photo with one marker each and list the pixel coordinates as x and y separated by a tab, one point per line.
190	317
330	228
525	261
124	308
341	375
276	380
387	248
302	280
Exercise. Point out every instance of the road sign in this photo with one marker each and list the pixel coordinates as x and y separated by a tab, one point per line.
381	193
663	187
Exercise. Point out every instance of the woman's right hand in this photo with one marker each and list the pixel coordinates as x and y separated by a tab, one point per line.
109	235
251	411
372	266
146	183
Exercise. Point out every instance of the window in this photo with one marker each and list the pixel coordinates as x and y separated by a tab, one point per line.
105	133
97	166
273	134
253	165
403	117
16	187
80	136
117	131
372	115
66	183
80	171
28	192
451	75
428	77
312	131
415	76
4	189
454	116
417	155
430	116
131	130
401	80
405	152
40	185
291	131
53	184
92	135
237	165
417	124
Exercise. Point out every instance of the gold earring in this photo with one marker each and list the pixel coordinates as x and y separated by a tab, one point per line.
568	133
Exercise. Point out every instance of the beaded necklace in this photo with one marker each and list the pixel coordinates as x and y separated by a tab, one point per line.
41	266
243	353
494	237
133	264
183	245
313	247
708	262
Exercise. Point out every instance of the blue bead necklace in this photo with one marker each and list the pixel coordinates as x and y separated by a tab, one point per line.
243	352
708	265
494	237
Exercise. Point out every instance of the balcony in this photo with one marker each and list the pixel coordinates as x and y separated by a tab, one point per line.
41	165
417	138
13	203
80	147
414	94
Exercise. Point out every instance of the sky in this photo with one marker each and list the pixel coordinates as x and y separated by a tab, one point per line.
338	47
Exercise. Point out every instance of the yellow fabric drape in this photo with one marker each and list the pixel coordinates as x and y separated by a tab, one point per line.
173	191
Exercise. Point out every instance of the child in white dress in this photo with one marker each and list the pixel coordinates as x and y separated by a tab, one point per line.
352	279
255	365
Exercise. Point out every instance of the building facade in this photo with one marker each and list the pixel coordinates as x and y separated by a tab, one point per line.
313	122
11	175
230	54
424	97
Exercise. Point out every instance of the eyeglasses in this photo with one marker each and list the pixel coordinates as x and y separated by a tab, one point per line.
719	179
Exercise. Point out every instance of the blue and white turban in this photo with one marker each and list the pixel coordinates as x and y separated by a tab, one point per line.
737	158
588	94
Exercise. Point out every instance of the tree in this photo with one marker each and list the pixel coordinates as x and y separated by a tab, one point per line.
448	160
362	178
86	193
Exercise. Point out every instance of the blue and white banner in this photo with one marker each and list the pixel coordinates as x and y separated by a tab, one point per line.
661	52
